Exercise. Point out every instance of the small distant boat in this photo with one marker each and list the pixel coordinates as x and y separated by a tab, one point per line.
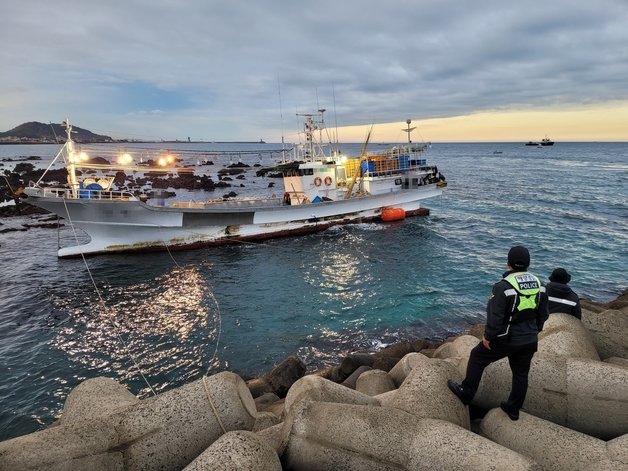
544	142
320	190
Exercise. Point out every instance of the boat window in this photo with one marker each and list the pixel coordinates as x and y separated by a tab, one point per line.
308	171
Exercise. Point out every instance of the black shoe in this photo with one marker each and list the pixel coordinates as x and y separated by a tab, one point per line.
458	391
513	415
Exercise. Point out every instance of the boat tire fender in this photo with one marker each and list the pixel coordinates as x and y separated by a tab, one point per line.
318	181
328	181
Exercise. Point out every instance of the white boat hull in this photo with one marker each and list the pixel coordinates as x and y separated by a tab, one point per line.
133	226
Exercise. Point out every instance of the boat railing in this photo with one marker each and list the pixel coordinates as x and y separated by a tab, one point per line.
84	193
227	203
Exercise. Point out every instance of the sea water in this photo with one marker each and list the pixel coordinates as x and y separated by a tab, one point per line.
244	308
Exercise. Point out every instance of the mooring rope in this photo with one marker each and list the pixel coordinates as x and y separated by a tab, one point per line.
102	302
211	403
218	315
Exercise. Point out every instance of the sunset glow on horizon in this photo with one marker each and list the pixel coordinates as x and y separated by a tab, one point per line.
577	124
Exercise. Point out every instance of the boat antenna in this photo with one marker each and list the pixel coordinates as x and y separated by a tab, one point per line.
283	149
322	123
409	130
333	94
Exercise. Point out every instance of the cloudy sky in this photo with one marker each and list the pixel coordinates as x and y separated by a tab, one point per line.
240	70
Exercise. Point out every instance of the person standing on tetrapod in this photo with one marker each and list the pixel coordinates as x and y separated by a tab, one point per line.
561	297
515	314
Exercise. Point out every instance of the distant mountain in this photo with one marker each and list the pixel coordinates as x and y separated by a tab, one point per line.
34	132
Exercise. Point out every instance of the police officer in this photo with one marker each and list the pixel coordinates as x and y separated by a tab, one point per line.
515	314
561	297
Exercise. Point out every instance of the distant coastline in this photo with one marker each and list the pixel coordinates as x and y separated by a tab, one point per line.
127	141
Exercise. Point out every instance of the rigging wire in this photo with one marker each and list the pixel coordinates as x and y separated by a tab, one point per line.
283	148
104	305
333	94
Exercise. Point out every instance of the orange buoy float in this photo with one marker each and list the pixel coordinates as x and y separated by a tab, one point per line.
393	214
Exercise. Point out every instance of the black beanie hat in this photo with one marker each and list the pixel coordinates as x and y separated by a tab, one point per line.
560	275
519	257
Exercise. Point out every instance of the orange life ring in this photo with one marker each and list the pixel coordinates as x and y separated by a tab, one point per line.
318	181
328	180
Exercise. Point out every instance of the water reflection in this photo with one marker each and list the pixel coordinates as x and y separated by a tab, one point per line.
167	326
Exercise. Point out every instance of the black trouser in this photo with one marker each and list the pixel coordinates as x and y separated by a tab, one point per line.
519	358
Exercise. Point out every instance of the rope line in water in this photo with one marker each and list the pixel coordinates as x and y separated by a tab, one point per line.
213	358
115	328
104	306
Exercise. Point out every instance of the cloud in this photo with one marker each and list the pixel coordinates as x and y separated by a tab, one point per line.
215	67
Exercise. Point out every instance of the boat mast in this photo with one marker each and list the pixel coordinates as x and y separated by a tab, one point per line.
409	130
309	126
71	160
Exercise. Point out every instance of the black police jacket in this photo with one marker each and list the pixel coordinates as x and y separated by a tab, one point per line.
563	299
499	309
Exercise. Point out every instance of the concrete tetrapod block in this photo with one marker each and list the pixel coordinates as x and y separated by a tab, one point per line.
315	388
457	351
442	445
265	420
178	425
272	435
564	335
164	432
237	451
63	446
623	362
96	397
374	382
608	330
553	446
597	395
323	436
618	449
547	387
353	377
459	347
385	399
585	395
402	369
425	394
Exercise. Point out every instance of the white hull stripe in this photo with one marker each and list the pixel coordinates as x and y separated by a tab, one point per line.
562	301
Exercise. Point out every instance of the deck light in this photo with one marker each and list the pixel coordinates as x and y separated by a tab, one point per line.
125	159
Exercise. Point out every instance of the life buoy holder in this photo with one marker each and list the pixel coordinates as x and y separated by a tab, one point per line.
318	181
328	180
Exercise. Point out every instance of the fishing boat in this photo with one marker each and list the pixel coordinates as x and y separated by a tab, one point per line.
321	189
544	142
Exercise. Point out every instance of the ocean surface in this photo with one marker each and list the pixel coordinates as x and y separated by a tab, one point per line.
244	308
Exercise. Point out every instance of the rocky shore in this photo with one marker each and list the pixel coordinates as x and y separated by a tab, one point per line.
389	410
